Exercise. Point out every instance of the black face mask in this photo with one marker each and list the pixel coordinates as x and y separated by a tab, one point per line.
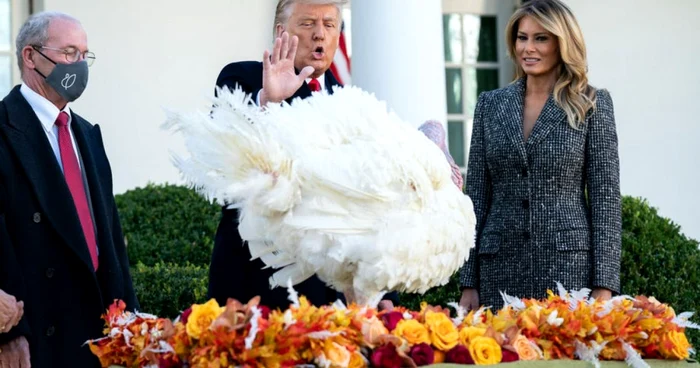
68	80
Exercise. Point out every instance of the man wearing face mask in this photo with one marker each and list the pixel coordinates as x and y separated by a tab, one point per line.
62	250
307	35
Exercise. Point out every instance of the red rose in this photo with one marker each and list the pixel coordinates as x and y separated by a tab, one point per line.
391	319
459	355
386	356
185	315
509	356
264	311
652	352
169	362
422	354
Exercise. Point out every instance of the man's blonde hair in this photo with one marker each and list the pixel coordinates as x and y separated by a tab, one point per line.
285	7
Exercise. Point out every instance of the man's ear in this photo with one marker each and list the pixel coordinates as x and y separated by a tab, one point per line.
279	29
27	56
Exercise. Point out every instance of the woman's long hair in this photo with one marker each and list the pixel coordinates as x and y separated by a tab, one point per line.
571	90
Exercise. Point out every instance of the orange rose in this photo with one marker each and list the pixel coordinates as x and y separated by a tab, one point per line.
336	354
466	334
372	329
412	331
485	351
674	345
443	333
439	357
357	361
526	349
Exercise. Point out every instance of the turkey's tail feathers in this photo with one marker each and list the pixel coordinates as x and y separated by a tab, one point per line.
233	155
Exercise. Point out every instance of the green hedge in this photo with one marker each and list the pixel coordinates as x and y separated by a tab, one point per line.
658	260
167	223
166	289
173	224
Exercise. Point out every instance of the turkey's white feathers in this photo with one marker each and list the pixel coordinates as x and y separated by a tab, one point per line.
334	185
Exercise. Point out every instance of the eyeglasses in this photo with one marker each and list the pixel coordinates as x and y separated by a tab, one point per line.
72	54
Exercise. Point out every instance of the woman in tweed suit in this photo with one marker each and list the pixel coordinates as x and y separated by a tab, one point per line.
544	170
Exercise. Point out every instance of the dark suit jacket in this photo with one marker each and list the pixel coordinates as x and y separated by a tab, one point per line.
232	274
44	259
535	225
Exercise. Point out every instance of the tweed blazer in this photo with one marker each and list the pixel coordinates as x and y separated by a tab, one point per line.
547	209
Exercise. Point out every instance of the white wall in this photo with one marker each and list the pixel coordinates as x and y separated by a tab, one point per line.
153	54
646	53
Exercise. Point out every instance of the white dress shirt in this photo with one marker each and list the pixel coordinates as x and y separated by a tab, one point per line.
47	113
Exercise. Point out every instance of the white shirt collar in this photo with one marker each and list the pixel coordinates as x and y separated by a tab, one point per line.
44	109
321	79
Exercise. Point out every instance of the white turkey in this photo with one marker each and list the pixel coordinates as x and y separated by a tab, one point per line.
336	185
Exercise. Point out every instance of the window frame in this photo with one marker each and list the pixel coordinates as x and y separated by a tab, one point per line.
501	10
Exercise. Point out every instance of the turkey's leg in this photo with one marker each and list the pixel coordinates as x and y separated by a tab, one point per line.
369	299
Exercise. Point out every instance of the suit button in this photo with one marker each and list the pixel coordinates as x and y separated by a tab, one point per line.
526	235
524	173
526	203
50	331
37	217
49	273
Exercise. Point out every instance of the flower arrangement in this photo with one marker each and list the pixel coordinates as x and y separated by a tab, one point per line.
563	326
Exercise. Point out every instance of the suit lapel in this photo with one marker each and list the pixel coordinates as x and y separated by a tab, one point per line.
89	141
511	114
28	140
303	92
550	116
83	133
331	81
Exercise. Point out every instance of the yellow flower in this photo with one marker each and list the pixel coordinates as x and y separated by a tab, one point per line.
372	328
443	333
674	345
526	349
485	351
336	354
466	334
201	317
357	361
412	331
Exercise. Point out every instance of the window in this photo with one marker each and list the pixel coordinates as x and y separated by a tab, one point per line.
475	61
472	66
6	65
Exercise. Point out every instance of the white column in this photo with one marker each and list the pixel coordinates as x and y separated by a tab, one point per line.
398	54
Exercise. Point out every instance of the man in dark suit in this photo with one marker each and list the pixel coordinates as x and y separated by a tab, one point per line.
307	36
61	246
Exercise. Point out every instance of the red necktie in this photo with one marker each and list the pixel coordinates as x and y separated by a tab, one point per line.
74	179
314	85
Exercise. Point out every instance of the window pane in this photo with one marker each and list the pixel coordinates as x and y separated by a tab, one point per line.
488	40
453	83
472	25
480	38
486	80
5	77
5	29
479	80
455	138
452	36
